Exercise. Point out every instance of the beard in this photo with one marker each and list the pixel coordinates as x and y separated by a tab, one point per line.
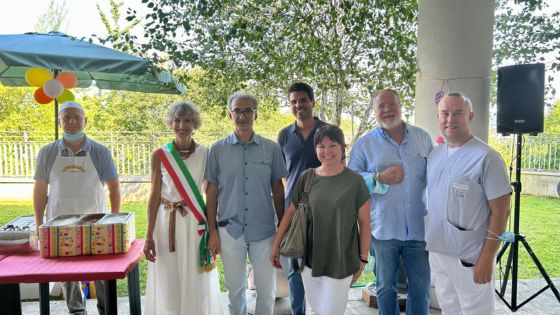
397	122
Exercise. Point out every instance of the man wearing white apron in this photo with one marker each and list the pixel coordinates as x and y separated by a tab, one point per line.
69	179
468	207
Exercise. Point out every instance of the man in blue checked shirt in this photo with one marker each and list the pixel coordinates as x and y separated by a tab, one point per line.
244	192
394	155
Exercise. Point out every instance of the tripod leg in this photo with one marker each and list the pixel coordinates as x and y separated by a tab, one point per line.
540	267
501	252
508	270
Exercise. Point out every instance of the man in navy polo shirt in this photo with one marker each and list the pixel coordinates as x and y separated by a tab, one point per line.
296	142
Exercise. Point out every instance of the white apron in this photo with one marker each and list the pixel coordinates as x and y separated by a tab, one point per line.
74	187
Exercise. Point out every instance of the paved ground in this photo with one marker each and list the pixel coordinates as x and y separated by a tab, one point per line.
545	303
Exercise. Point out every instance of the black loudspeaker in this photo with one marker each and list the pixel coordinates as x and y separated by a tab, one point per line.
521	99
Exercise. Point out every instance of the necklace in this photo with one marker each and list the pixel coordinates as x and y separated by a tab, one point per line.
185	153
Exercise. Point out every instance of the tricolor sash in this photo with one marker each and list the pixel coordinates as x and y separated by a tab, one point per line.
187	188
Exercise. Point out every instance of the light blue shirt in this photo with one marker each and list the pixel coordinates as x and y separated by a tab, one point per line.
244	174
399	213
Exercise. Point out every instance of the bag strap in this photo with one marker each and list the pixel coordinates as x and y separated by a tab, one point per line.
297	266
309	182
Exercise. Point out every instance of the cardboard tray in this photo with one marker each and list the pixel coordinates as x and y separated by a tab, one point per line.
87	234
18	237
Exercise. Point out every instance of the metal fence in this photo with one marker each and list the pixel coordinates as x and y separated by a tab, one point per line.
539	153
132	152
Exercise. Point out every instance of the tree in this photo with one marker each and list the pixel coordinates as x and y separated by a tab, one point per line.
526	33
340	46
19	112
347	49
120	38
54	17
552	120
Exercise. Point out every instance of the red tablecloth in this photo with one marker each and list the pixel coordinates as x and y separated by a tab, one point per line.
31	268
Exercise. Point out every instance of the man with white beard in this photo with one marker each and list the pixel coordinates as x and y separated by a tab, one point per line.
393	157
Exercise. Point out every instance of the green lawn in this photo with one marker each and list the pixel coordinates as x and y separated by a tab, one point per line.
539	222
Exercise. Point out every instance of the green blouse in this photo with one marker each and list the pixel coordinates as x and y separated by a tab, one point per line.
332	242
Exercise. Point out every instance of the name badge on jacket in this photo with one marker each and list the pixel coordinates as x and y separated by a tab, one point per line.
460	190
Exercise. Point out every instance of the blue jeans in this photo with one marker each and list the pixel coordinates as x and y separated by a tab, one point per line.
402	285
297	293
416	263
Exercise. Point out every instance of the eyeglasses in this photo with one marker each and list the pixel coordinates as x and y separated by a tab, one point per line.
246	112
387	105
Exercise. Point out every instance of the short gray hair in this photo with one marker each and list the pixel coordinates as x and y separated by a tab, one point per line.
388	90
183	109
463	97
244	96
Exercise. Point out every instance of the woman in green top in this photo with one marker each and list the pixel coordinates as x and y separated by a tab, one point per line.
339	227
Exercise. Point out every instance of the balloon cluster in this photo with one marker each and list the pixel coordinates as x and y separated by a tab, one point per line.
48	87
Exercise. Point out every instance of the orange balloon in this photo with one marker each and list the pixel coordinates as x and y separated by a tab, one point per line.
68	79
41	97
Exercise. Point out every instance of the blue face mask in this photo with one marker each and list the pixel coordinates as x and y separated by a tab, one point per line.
373	186
507	237
74	137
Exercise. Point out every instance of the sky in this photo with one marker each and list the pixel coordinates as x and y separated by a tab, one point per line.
82	19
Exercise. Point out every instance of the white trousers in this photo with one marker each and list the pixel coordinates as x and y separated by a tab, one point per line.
234	254
325	295
455	288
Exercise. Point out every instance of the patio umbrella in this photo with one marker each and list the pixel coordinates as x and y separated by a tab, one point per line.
108	68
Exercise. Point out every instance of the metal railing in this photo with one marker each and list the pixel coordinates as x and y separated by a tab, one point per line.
539	153
132	151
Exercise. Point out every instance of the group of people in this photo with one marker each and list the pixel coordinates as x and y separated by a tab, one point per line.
436	212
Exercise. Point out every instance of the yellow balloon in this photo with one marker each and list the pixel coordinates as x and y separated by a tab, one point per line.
66	96
38	76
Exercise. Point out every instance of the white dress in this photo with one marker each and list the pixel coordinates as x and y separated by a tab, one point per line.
175	284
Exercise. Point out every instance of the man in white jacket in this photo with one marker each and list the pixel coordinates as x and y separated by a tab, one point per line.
468	207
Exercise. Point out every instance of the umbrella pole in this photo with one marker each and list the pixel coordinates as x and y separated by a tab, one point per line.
55	73
55	119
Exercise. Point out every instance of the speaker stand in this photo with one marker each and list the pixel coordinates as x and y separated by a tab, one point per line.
512	260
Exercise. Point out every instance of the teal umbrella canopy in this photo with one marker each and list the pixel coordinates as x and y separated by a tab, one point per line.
108	68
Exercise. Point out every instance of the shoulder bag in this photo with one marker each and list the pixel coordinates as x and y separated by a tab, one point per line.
294	241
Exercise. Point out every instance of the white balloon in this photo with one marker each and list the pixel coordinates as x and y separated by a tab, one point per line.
53	88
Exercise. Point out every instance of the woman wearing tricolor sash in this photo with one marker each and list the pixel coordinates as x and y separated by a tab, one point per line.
181	274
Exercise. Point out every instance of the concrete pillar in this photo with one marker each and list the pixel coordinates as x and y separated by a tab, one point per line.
454	49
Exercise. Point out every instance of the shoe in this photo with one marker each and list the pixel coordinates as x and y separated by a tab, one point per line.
369	296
